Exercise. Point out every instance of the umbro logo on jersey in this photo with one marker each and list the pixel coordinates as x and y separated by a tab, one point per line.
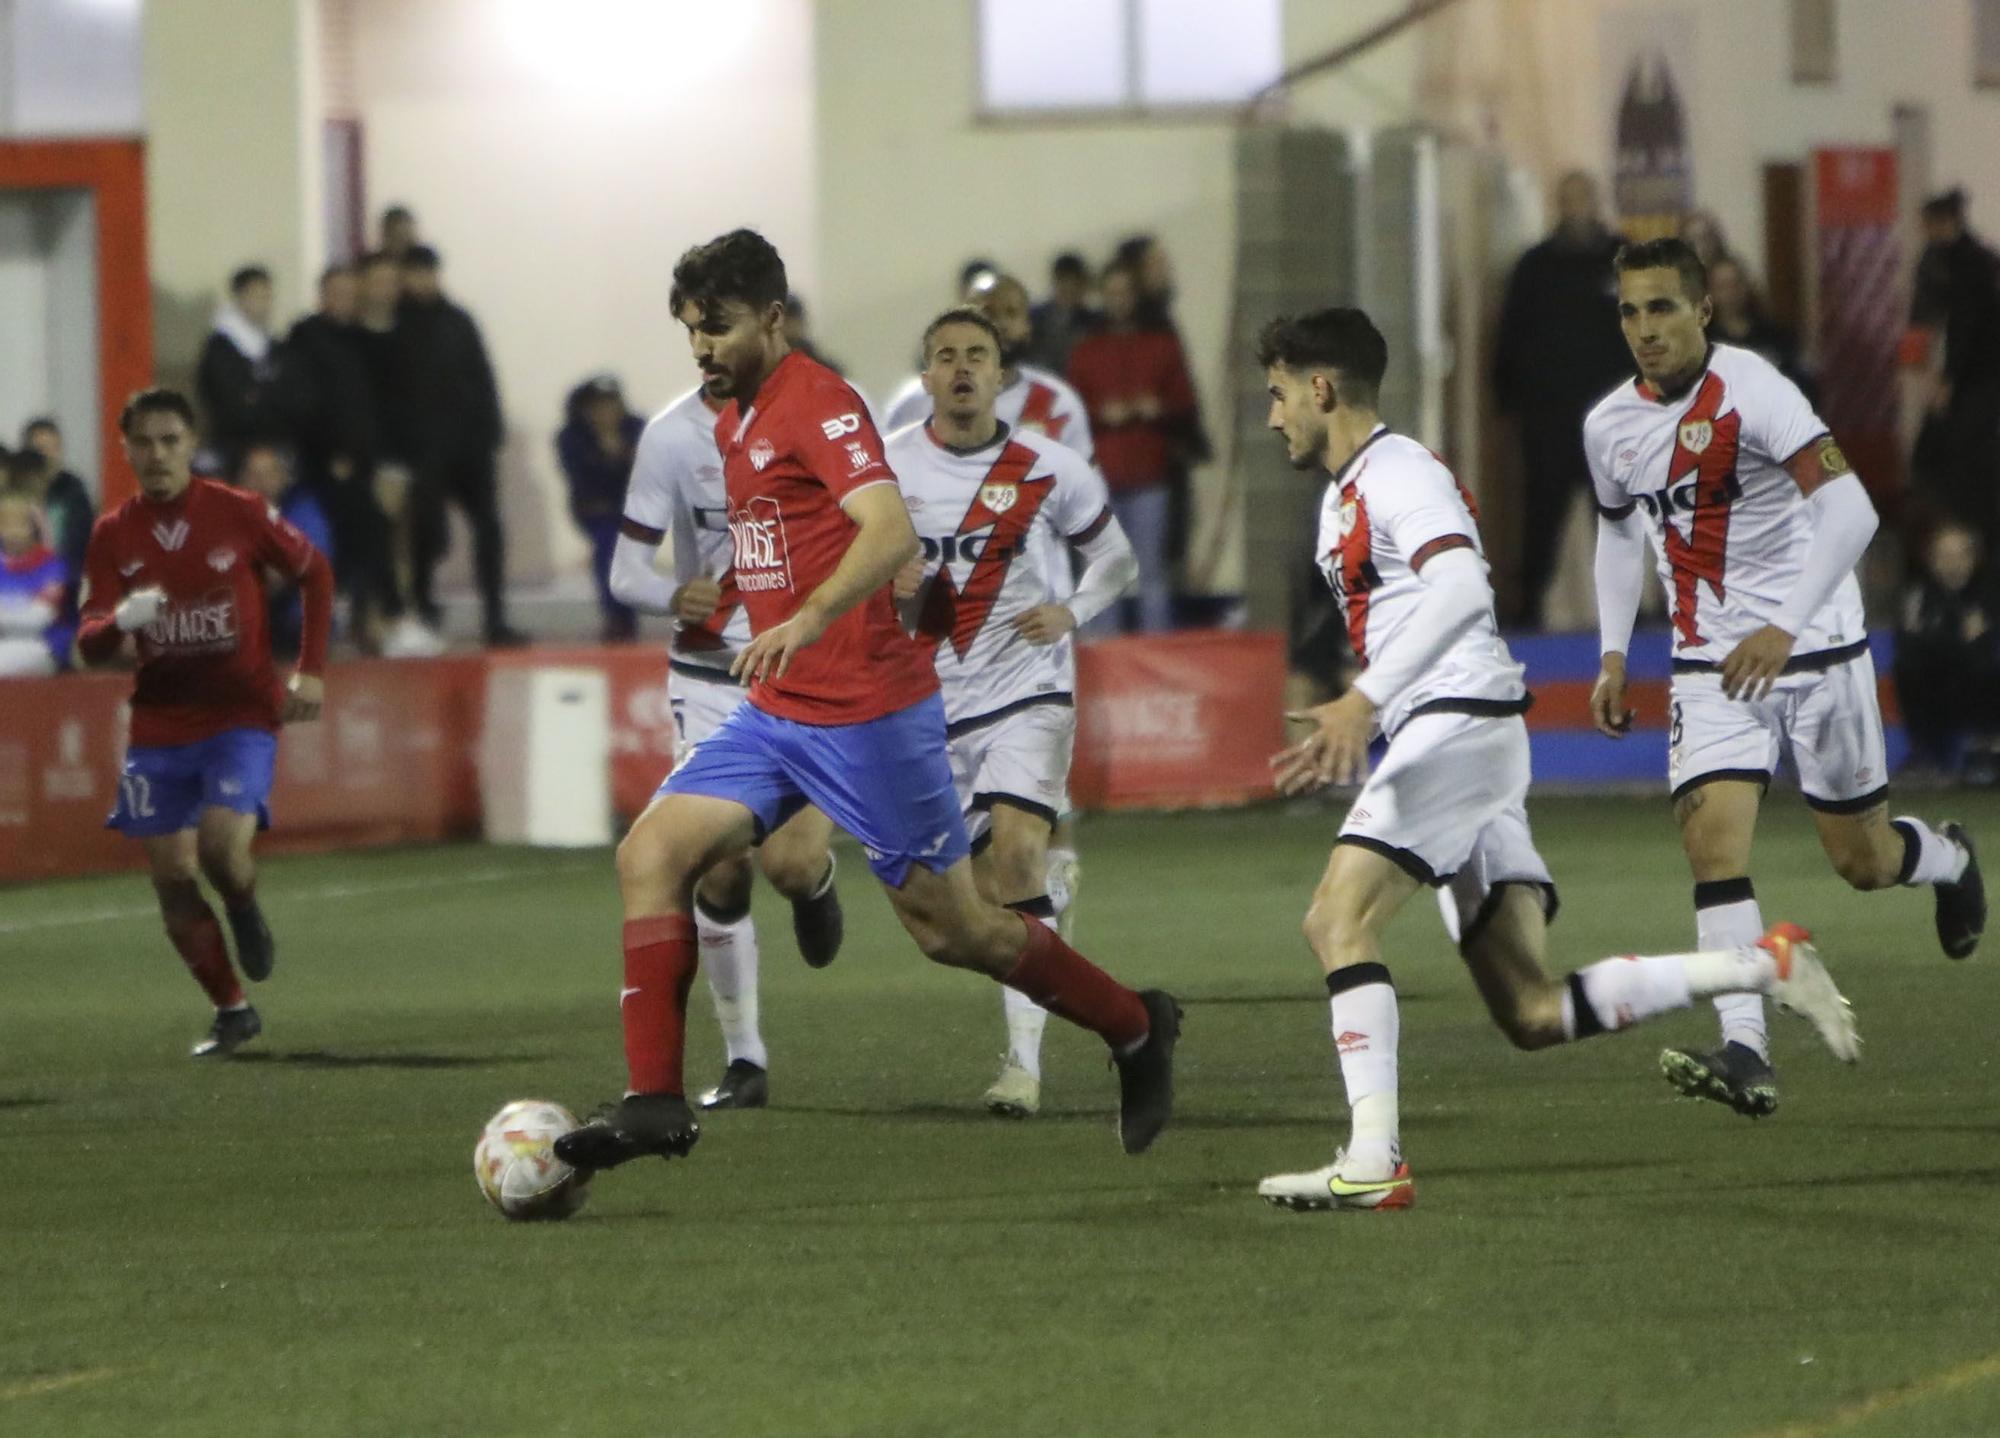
220	559
840	424
1348	1041
999	497
761	454
1696	434
128	570
171	536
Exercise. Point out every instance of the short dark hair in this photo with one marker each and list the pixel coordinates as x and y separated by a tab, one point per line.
1667	253
1946	204
741	265
397	212
24	465
962	315
1338	338
40	421
421	257
248	276
1069	265
973	268
157	400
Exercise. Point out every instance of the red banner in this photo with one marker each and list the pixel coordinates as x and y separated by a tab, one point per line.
1178	720
1170	721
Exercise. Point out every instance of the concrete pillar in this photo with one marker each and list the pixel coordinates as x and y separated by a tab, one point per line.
233	111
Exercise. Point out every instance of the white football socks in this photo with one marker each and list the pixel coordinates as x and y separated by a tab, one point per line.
1937	860
729	958
1065	877
1025	1021
1366	1023
1726	917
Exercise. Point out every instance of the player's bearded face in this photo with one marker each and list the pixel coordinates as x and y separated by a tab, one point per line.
1666	331
1295	414
160	449
732	342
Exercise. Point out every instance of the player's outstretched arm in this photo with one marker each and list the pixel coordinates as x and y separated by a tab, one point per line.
1620	573
884	541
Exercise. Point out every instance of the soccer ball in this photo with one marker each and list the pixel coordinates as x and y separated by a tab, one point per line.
516	1162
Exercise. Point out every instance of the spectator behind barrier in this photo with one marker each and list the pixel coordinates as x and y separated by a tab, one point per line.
34	638
237	375
264	470
595	446
1135	383
452	433
1558	350
1065	316
1948	658
64	497
1957	291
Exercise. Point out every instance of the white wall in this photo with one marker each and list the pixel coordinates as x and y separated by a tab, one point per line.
1528	75
70	67
561	156
48	320
912	183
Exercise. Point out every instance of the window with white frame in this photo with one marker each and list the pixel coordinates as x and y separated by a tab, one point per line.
1043	56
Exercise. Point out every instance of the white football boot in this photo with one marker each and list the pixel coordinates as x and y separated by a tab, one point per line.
1805	988
1329	1188
1015	1094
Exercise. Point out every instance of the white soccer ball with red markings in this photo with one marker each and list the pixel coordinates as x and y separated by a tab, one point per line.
516	1162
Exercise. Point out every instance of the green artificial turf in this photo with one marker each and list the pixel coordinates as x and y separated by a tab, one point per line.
292	1243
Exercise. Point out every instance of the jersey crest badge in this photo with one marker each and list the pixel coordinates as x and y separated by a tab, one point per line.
999	497
171	536
220	559
761	454
1349	509
1696	434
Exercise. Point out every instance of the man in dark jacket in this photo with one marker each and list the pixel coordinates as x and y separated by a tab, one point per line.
237	376
1958	291
65	498
1948	653
454	433
596	446
1559	349
337	428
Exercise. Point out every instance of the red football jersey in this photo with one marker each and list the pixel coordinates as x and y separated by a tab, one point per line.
806	444
205	663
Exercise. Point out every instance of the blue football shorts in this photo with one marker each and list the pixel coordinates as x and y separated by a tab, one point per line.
164	787
886	781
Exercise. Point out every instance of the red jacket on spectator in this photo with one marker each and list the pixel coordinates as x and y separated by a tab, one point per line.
1135	384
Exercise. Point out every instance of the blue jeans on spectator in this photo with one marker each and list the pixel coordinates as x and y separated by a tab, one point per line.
1142	514
621	622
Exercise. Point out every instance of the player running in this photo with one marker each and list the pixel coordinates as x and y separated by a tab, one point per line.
843	713
180	567
1031	399
676	496
998	511
1445	807
1038	401
1758	524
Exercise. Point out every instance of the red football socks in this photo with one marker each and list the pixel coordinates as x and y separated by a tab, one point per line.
198	937
660	956
1066	983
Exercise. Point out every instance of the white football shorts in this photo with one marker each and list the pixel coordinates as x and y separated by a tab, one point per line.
1449	805
700	705
1022	757
1829	721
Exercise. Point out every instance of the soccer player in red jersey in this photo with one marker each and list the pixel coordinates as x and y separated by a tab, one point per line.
844	713
181	568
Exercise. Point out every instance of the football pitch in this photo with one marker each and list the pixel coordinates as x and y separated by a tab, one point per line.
292	1243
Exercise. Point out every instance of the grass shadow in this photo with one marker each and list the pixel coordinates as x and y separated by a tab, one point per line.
322	1059
25	1102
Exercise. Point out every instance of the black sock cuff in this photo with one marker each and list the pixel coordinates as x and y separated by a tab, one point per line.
1714	893
1913	848
1587	1021
1039	907
722	918
1356	976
